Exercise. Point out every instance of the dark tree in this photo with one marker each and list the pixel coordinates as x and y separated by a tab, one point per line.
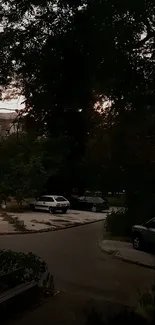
68	55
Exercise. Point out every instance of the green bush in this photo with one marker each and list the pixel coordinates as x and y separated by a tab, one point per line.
33	268
119	223
144	314
147	304
124	317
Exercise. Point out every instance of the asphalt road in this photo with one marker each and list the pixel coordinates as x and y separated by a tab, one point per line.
78	265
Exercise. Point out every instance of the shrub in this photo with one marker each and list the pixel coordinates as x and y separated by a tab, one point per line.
119	223
147	304
124	317
144	314
32	266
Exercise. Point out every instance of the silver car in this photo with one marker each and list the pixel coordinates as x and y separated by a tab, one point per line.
144	235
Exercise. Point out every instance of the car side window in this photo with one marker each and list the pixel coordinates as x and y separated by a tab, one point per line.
49	199
46	199
151	224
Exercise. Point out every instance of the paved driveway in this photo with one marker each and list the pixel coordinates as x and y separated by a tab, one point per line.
80	267
43	220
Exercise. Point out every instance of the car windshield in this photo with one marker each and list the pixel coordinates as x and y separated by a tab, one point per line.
60	199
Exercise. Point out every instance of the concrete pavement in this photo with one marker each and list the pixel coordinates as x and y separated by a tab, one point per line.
79	266
39	221
125	252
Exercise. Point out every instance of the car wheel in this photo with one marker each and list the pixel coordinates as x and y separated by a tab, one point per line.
93	209
137	242
32	207
106	225
64	210
51	210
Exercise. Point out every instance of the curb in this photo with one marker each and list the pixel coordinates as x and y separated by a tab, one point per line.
29	232
126	260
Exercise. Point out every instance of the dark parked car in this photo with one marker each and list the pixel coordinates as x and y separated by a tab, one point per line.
144	235
89	203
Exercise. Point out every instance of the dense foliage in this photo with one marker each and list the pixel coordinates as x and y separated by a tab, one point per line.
28	164
31	266
68	57
140	210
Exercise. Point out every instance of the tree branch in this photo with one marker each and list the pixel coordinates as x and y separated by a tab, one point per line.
150	34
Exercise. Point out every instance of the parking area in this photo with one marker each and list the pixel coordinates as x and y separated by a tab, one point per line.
43	220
